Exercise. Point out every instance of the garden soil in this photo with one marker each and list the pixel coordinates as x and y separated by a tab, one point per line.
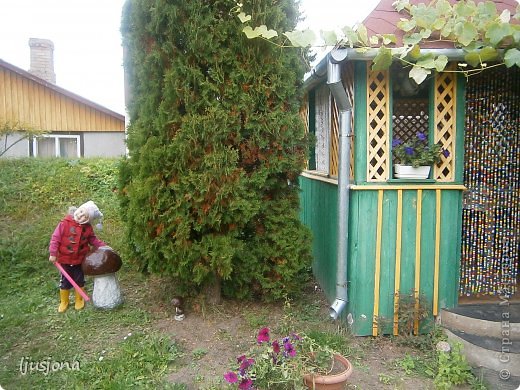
212	337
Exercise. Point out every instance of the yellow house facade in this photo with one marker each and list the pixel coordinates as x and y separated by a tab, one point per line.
73	126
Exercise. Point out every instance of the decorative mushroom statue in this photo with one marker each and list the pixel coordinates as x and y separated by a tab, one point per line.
178	303
102	264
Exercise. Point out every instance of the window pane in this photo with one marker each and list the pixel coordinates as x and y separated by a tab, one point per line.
68	147
46	147
410	109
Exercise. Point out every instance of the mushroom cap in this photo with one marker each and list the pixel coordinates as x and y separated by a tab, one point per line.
177	302
101	261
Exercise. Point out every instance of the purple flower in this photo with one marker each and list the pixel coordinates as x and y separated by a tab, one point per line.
446	153
263	335
276	346
241	358
231	377
295	336
421	136
409	150
246	363
246	384
396	142
289	349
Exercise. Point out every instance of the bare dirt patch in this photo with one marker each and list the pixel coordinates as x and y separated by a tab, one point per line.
212	337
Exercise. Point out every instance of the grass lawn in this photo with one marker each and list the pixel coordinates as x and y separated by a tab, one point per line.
139	345
81	349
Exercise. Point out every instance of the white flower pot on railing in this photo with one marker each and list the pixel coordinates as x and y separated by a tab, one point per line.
409	172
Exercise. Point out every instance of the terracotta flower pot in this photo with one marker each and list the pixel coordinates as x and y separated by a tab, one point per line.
334	381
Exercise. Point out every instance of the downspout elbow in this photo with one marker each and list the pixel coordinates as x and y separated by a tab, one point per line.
337	308
336	86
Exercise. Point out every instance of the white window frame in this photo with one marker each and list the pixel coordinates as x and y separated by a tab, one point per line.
57	138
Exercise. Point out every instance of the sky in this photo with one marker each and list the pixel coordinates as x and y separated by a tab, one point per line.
88	56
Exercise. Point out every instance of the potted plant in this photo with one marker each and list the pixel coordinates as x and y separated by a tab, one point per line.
292	362
416	157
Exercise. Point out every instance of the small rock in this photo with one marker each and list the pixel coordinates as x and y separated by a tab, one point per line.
443	346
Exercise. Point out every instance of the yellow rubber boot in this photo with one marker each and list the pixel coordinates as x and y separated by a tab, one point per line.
80	302
64	301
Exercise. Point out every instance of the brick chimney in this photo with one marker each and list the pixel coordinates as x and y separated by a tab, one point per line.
42	59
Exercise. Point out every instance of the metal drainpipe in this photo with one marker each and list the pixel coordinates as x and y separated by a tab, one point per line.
345	132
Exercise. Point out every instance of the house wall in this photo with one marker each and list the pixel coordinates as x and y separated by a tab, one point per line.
318	200
404	237
36	104
21	149
404	246
107	144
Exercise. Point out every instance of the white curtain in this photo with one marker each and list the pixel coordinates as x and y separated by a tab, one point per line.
68	147
323	126
46	147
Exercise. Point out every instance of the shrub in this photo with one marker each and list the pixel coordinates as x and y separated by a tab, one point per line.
216	145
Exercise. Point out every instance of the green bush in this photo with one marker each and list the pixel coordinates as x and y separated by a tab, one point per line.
216	144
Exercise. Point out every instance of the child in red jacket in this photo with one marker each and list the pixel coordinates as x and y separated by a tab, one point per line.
69	246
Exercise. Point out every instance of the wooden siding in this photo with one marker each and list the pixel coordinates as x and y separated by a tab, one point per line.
28	100
400	247
318	211
403	239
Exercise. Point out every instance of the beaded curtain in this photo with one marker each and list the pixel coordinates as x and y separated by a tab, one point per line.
491	209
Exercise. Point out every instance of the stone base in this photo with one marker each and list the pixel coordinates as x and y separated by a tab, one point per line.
107	294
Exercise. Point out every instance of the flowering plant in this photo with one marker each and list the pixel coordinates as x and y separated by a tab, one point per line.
417	152
281	363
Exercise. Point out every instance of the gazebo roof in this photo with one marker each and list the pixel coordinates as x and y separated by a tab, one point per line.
384	18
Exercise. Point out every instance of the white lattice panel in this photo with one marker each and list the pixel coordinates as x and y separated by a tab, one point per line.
378	125
445	124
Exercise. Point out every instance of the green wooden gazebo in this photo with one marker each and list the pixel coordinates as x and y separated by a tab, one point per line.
384	246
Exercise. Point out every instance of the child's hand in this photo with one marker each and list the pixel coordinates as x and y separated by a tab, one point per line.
52	258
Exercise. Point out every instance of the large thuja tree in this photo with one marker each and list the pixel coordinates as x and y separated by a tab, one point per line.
216	145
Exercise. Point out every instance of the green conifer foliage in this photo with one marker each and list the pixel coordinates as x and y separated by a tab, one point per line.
216	145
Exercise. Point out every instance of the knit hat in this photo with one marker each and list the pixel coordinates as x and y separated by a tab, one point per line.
89	208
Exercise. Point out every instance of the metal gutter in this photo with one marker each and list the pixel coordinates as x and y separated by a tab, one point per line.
318	73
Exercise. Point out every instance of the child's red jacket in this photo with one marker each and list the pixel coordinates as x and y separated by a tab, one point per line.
71	241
